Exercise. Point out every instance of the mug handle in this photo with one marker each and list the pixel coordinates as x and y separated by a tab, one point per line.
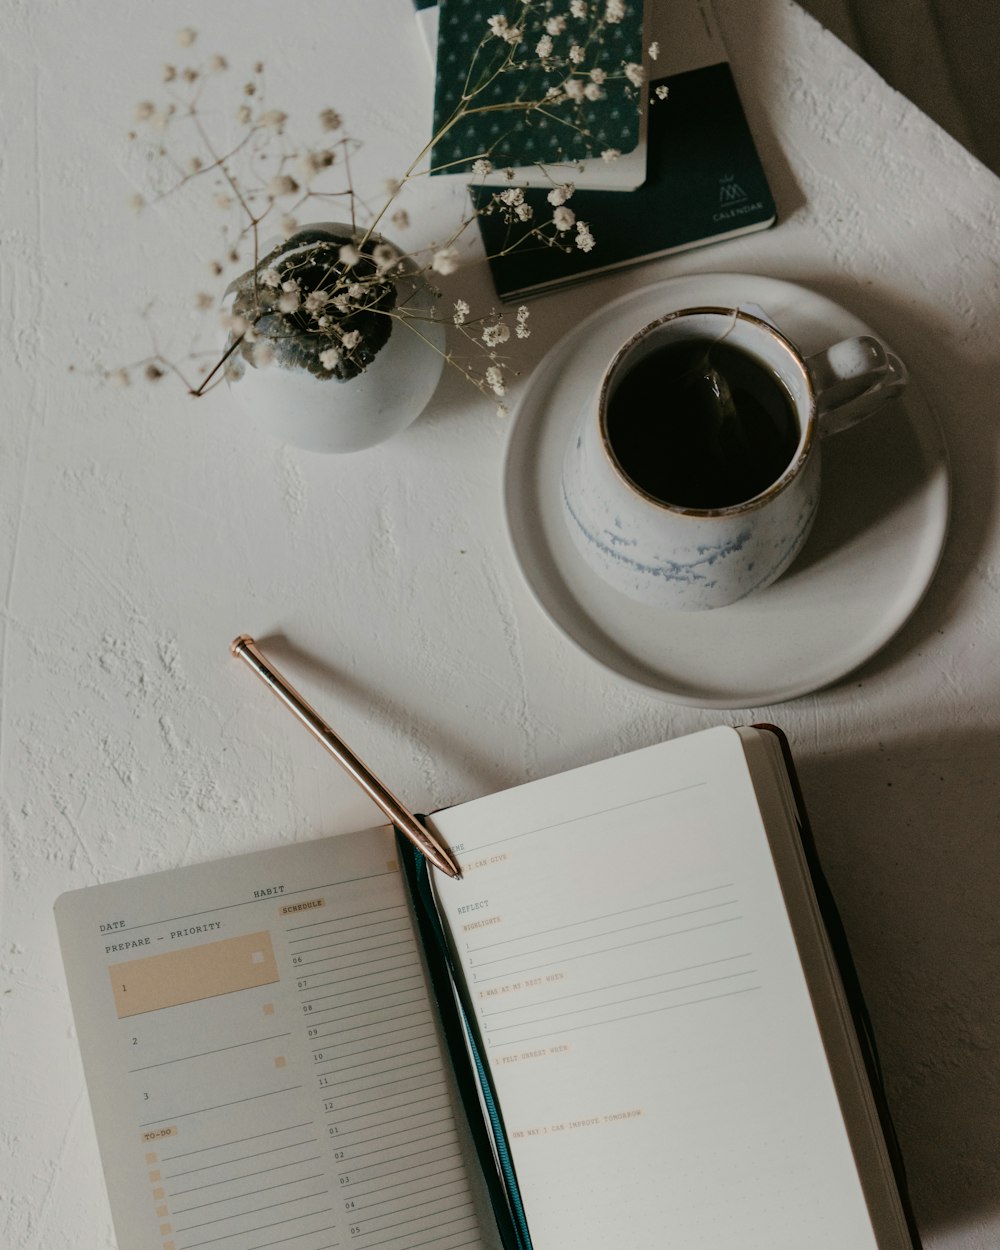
852	380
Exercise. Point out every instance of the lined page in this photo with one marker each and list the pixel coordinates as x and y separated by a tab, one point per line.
642	1009
262	1058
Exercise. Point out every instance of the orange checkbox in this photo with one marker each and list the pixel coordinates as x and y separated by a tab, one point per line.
269	1009
154	1175
150	1156
161	1211
165	1229
279	1061
159	1195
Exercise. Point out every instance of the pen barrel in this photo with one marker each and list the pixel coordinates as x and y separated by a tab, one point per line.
246	649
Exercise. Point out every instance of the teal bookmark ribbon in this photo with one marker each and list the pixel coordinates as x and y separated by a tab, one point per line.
505	1194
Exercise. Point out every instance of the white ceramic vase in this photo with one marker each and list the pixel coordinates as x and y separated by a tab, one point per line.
320	411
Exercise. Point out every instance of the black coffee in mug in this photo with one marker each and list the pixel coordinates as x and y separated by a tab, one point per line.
701	424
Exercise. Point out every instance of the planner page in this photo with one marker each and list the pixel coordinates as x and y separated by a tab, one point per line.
643	1013
263	1063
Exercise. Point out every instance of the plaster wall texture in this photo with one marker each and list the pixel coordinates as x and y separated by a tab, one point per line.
140	532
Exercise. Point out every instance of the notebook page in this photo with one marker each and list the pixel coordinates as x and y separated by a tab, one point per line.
262	1059
643	1012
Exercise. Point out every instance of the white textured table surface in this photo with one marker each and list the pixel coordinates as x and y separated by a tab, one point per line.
139	532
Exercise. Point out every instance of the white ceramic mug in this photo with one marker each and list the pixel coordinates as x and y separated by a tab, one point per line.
673	556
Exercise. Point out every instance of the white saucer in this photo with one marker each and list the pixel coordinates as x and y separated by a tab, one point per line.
872	553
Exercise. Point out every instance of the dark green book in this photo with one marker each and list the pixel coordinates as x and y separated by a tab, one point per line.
704	183
566	133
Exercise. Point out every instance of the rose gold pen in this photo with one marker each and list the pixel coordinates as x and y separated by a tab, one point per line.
246	649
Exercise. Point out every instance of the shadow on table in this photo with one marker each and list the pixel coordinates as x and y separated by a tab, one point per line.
970	435
913	858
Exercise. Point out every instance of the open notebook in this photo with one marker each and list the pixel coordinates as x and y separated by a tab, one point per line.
630	1023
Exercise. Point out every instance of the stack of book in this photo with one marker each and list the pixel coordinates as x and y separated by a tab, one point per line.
688	174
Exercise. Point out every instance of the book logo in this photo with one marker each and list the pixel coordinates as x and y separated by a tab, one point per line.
730	192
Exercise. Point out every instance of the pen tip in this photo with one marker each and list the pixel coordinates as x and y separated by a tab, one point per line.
237	643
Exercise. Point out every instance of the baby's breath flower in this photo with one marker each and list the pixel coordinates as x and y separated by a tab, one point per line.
609	155
559	195
524	212
584	239
263	354
169	73
578	8
273	119
225	202
461	312
204	301
662	91
316	300
544	47
503	410
445	260
288	302
329	119
329	359
498	25
312	163
144	111
385	256
482	167
614	11
573	87
654	49
511	196
598	75
593	92
291	285
282	184
119	377
189	74
521	329
194	164
349	254
401	218
635	74
494	379
187	36
341	303
555	25
137	202
243	114
215	267
577	54
563	218
393	187
218	63
351	339
356	290
495	334
288	225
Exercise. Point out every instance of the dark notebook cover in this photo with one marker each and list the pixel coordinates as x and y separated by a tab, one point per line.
565	131
705	182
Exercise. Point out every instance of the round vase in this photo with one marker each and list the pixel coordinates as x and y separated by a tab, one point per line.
323	412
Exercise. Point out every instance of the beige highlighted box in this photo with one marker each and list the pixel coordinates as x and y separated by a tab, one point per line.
154	1176
165	1229
161	1211
279	1061
169	1245
150	1156
193	974
269	1009
158	1194
309	904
